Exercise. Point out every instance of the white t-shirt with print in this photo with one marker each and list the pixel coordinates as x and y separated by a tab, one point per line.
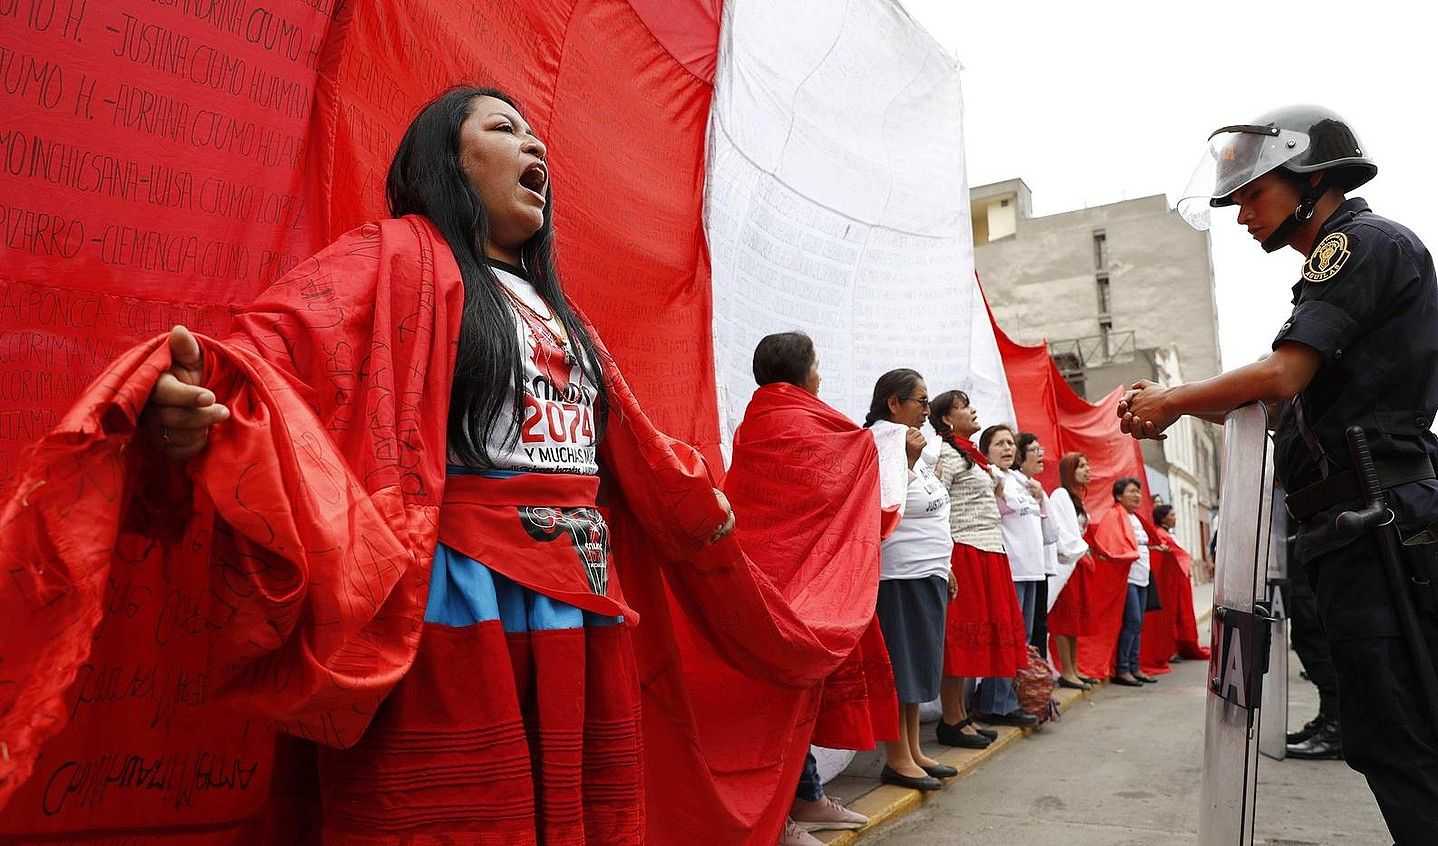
1023	528
920	547
558	430
1138	570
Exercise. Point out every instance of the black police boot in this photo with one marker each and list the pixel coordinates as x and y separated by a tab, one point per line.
1325	744
1308	729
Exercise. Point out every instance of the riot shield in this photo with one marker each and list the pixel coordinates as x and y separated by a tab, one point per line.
1273	725
1239	629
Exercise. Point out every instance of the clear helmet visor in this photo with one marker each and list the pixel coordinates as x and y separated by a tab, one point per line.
1235	156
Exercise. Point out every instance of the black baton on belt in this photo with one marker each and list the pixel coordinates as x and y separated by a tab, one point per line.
1379	516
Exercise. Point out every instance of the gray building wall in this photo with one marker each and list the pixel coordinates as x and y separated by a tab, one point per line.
1106	378
1042	282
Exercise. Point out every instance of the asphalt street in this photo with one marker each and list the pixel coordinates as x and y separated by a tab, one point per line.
1124	768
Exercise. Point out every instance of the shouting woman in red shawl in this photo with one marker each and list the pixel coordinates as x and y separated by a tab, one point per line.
347	572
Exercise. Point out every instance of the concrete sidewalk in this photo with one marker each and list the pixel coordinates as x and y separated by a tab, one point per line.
858	787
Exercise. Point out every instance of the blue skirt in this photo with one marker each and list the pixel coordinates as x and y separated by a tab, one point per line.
464	592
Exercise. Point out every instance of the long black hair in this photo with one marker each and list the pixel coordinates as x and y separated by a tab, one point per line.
426	178
899	383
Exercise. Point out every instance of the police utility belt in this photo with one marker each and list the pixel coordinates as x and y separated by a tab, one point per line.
1342	488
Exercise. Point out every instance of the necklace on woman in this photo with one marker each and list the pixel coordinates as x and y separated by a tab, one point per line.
551	325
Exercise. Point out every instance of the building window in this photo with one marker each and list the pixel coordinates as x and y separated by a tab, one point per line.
1105	332
1100	250
1105	303
1070	366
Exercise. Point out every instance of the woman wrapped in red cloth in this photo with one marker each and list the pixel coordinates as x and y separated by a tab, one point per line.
1114	547
360	548
1070	615
798	467
1172	630
984	635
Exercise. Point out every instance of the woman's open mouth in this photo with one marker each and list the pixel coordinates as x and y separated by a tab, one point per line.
535	178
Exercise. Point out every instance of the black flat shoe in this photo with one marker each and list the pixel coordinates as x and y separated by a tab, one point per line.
1017	717
928	782
951	735
941	771
1063	682
1125	682
1146	679
1087	680
988	733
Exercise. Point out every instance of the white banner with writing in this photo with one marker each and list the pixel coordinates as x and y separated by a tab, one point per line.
837	204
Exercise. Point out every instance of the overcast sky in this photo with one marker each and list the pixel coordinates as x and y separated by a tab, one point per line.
1099	102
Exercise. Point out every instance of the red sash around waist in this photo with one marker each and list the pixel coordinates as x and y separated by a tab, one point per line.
541	530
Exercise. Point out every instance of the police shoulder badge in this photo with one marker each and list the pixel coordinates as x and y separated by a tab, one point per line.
1327	258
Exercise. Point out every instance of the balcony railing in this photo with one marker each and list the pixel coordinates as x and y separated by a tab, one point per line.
1073	355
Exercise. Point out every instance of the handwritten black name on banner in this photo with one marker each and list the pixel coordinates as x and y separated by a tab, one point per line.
89	782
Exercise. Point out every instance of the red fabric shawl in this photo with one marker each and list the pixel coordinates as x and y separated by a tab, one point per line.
1173	629
1114	548
804	483
967	447
162	622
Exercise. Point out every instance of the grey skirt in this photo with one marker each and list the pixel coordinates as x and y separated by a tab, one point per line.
911	616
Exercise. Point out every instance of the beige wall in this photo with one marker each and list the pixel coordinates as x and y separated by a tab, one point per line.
1042	282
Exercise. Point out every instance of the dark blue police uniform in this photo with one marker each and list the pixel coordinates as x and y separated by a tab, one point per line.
1368	302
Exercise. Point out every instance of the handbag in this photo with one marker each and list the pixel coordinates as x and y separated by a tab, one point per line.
1034	684
1150	600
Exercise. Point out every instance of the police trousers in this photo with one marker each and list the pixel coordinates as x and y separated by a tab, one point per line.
1311	644
1386	732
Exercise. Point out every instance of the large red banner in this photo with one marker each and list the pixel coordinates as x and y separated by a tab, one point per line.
162	161
1066	422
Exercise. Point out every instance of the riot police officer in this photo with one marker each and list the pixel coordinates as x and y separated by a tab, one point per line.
1360	349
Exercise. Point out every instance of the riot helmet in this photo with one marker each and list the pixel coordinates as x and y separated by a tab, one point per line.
1298	139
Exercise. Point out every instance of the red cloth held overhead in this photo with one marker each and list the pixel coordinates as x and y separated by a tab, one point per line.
804	484
281	583
1114	548
1173	629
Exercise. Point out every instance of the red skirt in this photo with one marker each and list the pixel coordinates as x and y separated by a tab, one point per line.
985	634
1072	614
518	724
496	739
